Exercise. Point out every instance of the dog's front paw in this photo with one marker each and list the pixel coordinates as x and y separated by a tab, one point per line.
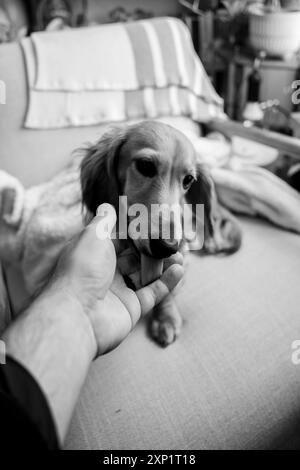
165	324
164	332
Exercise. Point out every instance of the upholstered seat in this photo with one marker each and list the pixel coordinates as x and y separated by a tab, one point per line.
229	381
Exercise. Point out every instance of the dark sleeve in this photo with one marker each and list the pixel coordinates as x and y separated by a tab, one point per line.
26	420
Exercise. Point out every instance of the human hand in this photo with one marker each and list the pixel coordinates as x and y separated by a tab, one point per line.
86	309
88	271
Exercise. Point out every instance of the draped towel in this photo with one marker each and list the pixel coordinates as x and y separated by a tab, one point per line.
116	72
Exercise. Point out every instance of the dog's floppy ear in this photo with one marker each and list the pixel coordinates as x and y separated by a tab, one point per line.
99	181
221	232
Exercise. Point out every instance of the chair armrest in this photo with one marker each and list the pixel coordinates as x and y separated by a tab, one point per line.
283	143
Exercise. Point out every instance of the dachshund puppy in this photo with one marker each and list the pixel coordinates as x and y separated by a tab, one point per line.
153	163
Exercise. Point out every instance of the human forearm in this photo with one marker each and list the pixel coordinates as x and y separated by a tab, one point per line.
54	340
86	310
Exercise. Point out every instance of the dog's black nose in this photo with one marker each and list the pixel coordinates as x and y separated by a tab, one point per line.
163	248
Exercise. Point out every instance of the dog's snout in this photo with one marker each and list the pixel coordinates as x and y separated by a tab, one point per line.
161	248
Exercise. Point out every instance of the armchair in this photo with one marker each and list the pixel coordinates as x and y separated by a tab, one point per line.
229	381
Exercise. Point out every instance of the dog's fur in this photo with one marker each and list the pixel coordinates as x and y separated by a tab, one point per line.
149	162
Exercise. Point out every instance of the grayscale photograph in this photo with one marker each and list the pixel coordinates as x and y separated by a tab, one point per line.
149	228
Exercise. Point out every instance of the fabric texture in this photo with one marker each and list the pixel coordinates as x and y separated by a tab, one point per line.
258	192
150	69
244	187
228	382
51	215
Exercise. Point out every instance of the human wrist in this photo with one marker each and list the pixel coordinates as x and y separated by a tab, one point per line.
58	314
72	316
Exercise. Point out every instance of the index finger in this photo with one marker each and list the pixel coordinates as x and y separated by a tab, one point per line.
152	294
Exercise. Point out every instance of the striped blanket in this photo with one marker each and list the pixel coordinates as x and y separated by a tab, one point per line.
116	72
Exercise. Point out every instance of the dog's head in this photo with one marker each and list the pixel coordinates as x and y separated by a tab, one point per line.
154	165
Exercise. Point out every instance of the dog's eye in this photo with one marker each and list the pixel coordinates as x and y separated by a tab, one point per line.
187	181
146	168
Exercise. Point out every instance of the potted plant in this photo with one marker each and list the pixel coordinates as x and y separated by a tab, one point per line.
232	20
274	27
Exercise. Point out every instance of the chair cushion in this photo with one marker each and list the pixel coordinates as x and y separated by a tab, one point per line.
228	381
